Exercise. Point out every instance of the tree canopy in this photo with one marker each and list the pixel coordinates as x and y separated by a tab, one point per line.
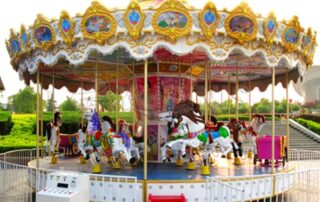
69	104
25	101
109	101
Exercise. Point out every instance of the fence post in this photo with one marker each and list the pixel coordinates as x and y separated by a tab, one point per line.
308	186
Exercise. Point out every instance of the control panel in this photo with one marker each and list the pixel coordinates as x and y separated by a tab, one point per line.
65	187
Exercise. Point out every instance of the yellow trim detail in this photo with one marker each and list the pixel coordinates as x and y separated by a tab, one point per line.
97	9
134	31
242	10
173	33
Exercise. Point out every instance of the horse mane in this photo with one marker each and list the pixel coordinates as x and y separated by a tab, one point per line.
260	116
188	108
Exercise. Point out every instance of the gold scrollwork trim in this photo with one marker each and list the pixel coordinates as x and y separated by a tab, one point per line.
96	9
242	10
134	31
293	24
173	33
208	31
66	36
270	36
41	21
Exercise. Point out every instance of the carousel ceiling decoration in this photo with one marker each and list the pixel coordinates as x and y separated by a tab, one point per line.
162	31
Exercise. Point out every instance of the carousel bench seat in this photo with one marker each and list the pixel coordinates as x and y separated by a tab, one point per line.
167	198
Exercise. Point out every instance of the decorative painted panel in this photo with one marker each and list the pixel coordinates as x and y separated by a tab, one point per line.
241	24
97	23
172	19
43	34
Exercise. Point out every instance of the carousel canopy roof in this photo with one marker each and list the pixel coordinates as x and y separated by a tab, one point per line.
175	39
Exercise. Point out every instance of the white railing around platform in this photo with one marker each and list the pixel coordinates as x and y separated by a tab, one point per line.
18	157
219	191
305	159
21	183
292	186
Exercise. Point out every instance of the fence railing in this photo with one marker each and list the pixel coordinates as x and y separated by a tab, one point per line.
19	182
293	186
219	191
304	159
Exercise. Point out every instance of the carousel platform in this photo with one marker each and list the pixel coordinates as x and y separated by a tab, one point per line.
165	171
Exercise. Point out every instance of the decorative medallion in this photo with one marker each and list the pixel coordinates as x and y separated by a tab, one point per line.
43	34
14	44
306	41
134	19
270	27
291	34
241	23
25	39
98	23
172	19
209	20
66	27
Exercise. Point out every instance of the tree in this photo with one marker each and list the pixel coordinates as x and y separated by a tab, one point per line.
51	104
69	104
109	101
25	101
263	106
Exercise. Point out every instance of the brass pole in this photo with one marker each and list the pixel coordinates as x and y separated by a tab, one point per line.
249	99
287	116
109	99
229	96
117	93
206	95
273	121
41	131
210	90
237	96
53	84
82	106
133	96
96	85
179	98
191	89
37	118
145	176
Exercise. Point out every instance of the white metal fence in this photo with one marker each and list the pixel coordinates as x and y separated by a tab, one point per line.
18	182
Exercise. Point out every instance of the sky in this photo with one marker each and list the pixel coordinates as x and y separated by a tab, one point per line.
13	13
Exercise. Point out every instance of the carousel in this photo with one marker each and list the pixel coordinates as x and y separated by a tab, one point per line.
163	52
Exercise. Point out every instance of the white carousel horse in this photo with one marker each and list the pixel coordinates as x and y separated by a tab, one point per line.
221	138
103	139
252	130
191	128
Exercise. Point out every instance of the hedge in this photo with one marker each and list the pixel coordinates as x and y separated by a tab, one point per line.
22	134
5	122
312	125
